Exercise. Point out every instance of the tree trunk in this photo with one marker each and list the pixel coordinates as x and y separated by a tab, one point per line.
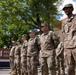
39	22
48	19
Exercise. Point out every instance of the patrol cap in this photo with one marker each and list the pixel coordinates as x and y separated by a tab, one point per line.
24	35
68	6
31	31
44	24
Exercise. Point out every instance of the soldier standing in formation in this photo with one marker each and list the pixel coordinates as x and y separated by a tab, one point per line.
48	42
32	53
11	56
17	58
24	55
69	32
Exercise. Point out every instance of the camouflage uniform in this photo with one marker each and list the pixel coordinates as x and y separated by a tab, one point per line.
48	42
12	59
24	58
60	59
32	53
17	60
69	31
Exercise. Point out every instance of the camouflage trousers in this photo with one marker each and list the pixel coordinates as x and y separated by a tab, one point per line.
17	70
32	65
12	65
47	65
23	66
60	66
71	61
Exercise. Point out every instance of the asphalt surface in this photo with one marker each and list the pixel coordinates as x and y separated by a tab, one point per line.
6	71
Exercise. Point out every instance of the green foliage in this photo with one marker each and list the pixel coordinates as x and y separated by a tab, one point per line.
19	16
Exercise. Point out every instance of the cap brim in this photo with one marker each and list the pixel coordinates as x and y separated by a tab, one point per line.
64	8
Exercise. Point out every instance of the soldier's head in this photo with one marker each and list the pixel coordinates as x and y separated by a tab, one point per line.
24	37
18	42
68	8
13	42
32	33
44	27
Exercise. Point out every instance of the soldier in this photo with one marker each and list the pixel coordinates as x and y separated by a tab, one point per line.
60	59
17	58
11	56
32	53
24	55
48	42
69	32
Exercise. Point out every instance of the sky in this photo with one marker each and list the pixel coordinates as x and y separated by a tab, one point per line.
61	7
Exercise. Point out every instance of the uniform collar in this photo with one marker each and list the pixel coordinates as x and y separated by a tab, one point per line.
32	38
25	40
45	33
72	17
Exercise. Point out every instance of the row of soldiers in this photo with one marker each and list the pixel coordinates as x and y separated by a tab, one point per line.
51	52
24	57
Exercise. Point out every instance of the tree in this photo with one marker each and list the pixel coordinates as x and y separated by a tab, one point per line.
43	10
18	16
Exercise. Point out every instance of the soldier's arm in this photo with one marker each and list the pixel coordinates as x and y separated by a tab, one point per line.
73	29
12	52
38	42
25	44
55	39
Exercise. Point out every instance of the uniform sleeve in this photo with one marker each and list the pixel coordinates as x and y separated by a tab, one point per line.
55	39
38	39
62	27
25	44
38	42
73	27
12	51
60	49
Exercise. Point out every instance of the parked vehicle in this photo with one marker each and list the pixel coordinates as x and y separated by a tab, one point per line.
4	57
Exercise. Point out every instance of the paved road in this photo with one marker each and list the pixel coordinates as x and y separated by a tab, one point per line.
4	71
7	71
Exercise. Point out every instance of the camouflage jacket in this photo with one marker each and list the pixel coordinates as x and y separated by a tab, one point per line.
12	51
33	47
48	42
24	49
69	32
17	51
